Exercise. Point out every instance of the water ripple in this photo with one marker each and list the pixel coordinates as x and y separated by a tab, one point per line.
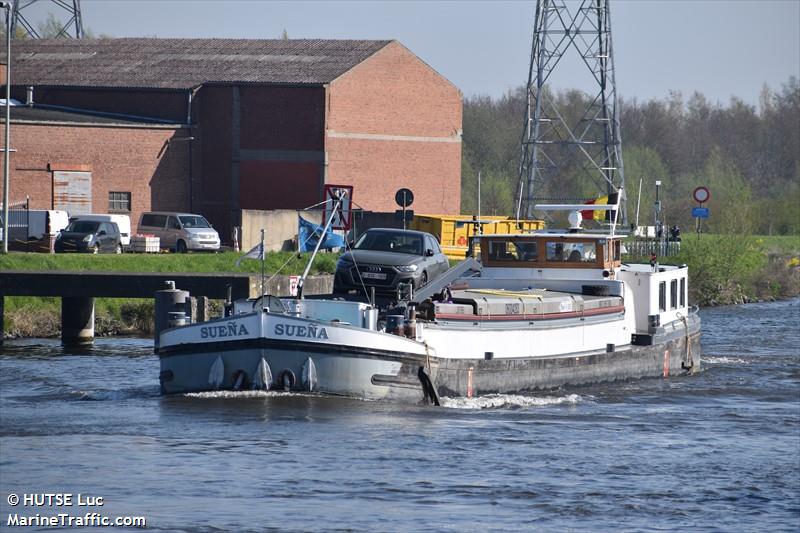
714	451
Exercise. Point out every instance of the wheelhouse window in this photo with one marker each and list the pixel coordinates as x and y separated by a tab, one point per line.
503	251
673	294
119	201
571	252
527	250
517	250
683	292
662	296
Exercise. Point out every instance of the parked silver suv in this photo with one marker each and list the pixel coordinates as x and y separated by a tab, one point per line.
180	231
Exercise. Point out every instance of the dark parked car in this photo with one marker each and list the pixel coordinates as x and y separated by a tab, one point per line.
90	236
382	258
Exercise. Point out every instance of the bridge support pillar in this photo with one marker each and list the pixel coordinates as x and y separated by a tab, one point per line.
77	320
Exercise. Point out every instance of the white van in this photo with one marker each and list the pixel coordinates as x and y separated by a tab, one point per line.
180	231
123	221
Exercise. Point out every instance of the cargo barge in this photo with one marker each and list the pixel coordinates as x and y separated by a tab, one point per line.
526	312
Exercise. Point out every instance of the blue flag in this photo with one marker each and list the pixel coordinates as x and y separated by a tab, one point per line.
256	252
309	233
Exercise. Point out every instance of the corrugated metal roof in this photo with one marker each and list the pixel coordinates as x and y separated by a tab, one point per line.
183	63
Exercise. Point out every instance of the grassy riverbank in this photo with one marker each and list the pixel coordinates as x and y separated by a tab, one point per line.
733	269
723	269
40	317
288	262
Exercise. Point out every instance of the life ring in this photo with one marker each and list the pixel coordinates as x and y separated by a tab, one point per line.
462	241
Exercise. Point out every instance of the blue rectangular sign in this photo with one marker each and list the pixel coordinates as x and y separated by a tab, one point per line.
700	212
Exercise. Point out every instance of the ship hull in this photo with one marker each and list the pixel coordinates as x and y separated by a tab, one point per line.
672	353
352	362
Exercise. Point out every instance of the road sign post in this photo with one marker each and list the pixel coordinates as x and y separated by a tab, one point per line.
404	198
343	218
701	195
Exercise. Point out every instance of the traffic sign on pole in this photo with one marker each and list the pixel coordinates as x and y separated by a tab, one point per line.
701	194
404	197
343	218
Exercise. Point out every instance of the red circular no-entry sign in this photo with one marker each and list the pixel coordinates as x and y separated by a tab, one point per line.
701	194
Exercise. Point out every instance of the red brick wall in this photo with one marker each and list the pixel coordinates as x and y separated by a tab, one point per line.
138	160
377	169
395	122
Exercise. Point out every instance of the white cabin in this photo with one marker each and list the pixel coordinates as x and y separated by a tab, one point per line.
661	293
572	261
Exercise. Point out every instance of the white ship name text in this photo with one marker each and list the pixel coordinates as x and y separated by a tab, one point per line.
231	329
285	330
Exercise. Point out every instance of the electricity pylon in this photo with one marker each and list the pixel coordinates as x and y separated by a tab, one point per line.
558	141
71	25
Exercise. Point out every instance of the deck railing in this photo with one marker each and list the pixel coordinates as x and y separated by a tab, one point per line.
647	247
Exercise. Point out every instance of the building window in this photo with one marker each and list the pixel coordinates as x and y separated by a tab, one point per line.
119	201
662	296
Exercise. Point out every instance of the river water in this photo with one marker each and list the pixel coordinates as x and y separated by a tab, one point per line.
718	451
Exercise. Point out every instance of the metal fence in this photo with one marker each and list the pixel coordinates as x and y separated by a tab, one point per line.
648	247
19	220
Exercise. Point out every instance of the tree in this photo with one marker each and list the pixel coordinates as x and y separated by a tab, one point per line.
733	200
497	195
51	28
643	167
749	156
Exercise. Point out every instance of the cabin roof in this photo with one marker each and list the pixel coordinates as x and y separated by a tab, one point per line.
559	234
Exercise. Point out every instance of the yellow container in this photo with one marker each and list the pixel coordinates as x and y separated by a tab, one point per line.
454	231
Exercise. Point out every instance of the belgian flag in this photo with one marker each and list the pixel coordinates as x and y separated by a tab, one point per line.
591	214
604	215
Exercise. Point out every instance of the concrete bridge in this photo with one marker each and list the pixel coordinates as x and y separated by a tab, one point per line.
78	290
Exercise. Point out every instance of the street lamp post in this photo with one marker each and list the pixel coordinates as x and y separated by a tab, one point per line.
8	7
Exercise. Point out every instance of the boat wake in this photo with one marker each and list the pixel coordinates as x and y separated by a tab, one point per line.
724	360
114	395
242	394
495	401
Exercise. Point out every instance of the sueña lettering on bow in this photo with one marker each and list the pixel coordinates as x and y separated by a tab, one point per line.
310	331
231	329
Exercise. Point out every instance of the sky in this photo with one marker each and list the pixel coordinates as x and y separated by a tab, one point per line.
722	48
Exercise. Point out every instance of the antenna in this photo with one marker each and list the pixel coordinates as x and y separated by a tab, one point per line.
564	147
70	11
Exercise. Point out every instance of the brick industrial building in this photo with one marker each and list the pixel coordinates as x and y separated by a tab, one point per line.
217	125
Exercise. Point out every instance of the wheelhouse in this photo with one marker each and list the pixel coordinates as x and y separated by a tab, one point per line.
551	250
